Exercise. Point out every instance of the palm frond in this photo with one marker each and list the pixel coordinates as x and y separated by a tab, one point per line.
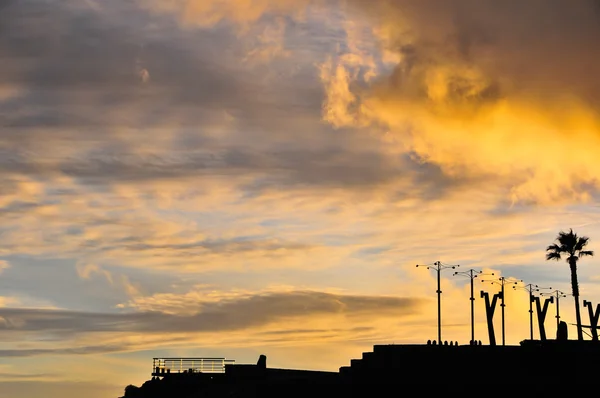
553	256
568	241
581	243
555	248
569	245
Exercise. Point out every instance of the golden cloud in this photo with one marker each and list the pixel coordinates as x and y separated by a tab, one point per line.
210	12
479	90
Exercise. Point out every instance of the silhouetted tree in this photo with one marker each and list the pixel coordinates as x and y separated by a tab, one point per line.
572	247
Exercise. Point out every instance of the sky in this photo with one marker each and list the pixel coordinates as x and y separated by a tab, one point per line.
231	178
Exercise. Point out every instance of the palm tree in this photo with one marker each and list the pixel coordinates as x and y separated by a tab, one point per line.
571	246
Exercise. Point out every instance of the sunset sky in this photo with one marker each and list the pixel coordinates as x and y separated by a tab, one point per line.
230	178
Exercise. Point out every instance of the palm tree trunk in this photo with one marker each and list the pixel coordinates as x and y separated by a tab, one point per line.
575	287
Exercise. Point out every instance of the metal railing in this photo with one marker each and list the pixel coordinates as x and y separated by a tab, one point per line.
162	366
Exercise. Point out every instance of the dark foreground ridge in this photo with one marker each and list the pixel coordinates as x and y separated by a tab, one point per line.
437	368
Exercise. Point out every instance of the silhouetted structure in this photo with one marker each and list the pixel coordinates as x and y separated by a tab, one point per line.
557	295
541	314
471	274
386	364
163	366
593	318
562	332
490	308
502	281
438	267
531	288
401	364
262	362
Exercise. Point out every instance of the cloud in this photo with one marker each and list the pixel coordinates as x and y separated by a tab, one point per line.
8	301
24	376
99	349
210	13
450	83
483	87
238	313
25	389
85	271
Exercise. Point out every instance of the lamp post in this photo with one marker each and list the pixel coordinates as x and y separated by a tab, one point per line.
557	294
501	281
438	267
530	288
471	274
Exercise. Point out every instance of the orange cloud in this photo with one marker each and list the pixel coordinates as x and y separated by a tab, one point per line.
479	90
463	94
210	12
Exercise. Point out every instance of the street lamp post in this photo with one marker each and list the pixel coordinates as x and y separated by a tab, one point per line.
471	274
530	288
557	294
501	281
438	267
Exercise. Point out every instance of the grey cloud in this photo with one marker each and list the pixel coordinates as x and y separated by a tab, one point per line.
317	168
140	244
99	349
316	331
76	68
221	247
80	60
79	68
31	376
31	388
536	48
137	245
226	315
